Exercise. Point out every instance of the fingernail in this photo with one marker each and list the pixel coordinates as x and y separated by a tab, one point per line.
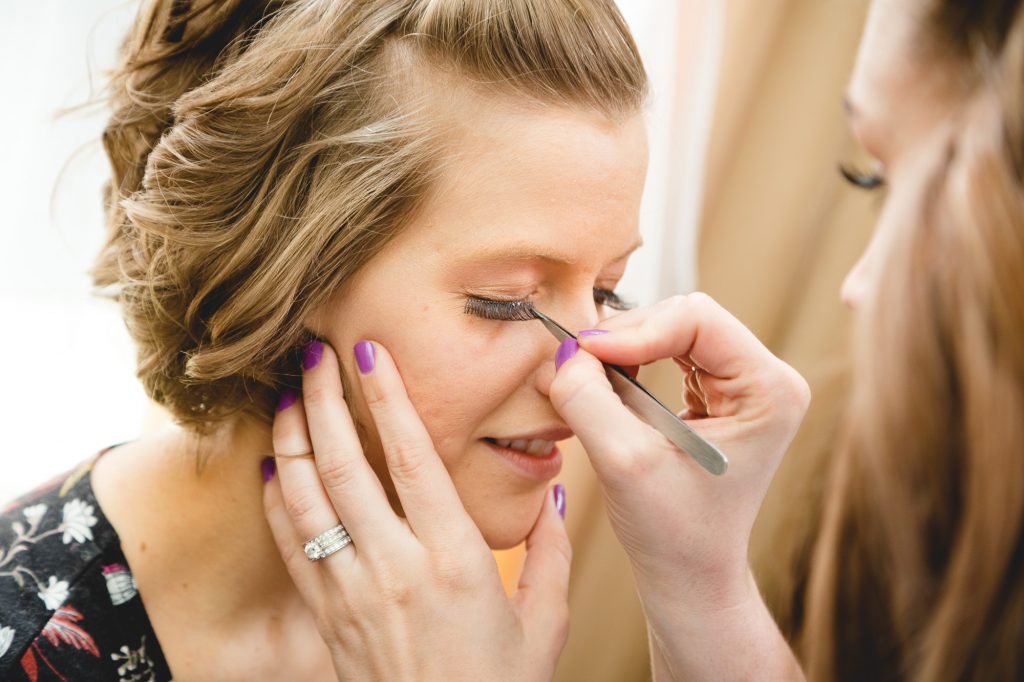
314	353
565	351
268	467
559	493
365	356
592	332
287	399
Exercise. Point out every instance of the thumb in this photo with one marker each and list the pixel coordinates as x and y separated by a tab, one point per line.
543	590
609	432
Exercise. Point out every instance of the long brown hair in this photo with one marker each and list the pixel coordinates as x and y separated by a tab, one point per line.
265	150
919	569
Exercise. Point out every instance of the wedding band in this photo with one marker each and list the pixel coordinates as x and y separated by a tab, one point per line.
307	453
327	543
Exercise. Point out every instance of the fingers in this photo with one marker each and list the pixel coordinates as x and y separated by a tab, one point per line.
303	495
542	595
692	327
307	579
431	504
581	394
338	484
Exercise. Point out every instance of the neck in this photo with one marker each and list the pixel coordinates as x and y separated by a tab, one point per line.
189	510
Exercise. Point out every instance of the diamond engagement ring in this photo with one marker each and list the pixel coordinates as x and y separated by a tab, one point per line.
327	543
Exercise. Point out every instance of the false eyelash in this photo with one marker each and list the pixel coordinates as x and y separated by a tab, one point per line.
521	310
609	298
861	179
511	311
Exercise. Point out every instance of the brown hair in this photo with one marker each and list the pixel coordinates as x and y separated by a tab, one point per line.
263	151
919	571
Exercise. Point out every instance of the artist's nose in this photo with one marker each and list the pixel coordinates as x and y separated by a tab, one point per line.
854	285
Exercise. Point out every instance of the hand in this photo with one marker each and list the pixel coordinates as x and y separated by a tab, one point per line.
416	597
686	532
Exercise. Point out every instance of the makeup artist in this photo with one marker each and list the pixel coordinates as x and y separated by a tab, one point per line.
917	572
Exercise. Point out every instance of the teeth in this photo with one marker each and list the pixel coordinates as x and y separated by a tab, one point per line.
531	447
538	447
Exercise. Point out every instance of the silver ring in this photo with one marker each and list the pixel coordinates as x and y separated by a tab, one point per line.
327	543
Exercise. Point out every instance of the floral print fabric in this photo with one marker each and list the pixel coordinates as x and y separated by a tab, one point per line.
69	607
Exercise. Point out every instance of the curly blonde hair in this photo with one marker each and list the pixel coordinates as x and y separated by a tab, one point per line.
262	151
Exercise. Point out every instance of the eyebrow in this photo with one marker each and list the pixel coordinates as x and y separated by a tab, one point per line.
529	252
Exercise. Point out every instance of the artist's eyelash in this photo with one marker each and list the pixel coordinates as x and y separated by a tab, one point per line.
522	309
861	179
609	298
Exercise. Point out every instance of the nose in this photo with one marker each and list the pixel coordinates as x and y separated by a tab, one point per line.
584	318
855	285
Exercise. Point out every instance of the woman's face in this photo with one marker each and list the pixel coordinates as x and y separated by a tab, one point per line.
899	104
533	203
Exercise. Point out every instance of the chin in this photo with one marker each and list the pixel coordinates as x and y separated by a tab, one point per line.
506	528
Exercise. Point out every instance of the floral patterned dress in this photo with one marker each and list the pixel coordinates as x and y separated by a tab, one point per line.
69	607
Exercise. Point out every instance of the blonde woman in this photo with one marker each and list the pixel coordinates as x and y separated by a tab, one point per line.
291	177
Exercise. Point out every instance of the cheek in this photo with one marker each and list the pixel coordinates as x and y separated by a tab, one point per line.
456	376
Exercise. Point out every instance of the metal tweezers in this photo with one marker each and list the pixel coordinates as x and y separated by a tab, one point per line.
651	410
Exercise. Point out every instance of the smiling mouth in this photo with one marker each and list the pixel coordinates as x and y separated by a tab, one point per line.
535	447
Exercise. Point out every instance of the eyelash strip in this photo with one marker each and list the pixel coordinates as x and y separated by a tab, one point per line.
860	179
510	311
522	310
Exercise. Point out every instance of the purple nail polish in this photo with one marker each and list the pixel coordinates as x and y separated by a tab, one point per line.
559	494
314	353
268	467
365	356
287	399
592	332
565	351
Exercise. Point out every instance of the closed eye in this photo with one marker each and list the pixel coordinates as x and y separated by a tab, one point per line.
607	297
861	179
520	310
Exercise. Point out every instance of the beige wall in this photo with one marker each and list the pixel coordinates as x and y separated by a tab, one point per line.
781	230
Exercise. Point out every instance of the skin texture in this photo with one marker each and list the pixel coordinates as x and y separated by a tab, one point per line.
561	183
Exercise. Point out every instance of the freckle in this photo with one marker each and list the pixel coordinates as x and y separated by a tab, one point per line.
142	547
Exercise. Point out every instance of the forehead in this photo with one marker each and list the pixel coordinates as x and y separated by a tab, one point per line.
899	90
515	170
885	67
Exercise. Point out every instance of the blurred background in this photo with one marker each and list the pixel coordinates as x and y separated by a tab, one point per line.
743	202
